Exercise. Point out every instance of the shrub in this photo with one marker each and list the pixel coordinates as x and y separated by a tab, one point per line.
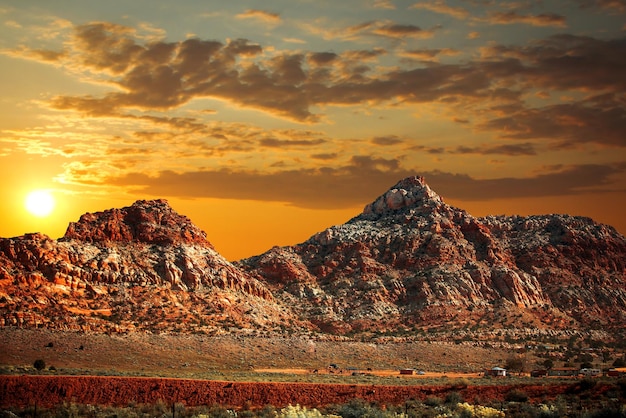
516	395
39	364
587	384
433	401
453	398
298	412
467	410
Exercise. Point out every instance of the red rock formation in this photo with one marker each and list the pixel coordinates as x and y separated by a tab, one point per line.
144	266
408	261
411	259
148	221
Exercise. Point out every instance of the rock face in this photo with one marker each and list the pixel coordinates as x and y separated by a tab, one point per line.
143	266
411	261
408	262
150	222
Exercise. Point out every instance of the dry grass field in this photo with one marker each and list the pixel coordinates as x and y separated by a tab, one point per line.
238	357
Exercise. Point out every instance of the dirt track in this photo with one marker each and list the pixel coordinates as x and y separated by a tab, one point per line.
46	391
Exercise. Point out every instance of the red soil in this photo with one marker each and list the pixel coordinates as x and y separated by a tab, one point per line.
47	391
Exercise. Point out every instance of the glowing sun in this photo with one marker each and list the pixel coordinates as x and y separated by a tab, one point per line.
39	203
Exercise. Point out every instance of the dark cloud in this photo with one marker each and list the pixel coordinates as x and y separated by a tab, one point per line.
286	143
387	140
322	188
563	62
361	181
571	180
322	58
401	31
617	6
161	76
325	156
506	149
601	120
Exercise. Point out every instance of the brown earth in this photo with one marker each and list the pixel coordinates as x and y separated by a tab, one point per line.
47	391
235	357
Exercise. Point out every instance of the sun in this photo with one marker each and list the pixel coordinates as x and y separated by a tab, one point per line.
39	203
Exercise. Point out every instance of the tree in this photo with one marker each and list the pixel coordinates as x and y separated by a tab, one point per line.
619	362
515	364
39	364
548	363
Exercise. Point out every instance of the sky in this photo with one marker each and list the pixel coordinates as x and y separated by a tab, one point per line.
265	122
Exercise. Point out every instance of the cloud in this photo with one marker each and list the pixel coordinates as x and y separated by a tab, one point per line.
360	181
544	19
440	7
384	4
262	15
322	58
429	54
600	119
617	6
285	143
398	31
506	149
294	40
159	76
567	181
387	140
566	62
325	156
321	188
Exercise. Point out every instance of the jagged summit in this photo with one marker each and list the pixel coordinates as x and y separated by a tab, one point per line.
407	193
147	221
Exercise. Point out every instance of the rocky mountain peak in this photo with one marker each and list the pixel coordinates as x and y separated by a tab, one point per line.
407	193
146	221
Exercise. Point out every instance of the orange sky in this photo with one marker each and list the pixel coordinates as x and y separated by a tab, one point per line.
267	125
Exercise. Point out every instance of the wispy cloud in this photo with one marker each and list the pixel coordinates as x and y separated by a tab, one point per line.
513	17
262	15
442	8
358	182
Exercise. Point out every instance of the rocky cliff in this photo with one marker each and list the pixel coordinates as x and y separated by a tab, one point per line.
410	261
139	267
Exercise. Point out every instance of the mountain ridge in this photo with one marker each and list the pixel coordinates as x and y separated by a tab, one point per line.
408	262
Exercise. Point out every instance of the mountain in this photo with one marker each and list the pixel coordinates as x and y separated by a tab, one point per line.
410	262
139	267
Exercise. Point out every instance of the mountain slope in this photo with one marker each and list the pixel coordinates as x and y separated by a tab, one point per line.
412	261
407	263
139	267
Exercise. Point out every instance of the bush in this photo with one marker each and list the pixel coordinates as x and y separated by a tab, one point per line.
39	364
516	395
433	401
587	384
453	398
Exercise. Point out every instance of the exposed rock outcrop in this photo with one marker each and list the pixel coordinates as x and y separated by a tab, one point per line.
143	266
410	260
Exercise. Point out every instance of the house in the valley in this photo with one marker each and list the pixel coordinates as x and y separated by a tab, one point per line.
496	372
563	371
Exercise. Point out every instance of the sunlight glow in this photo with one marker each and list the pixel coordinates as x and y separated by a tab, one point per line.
39	203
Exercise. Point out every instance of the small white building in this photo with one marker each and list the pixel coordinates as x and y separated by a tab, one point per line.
496	372
591	372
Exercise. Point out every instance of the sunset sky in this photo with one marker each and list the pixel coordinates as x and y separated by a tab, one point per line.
267	121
